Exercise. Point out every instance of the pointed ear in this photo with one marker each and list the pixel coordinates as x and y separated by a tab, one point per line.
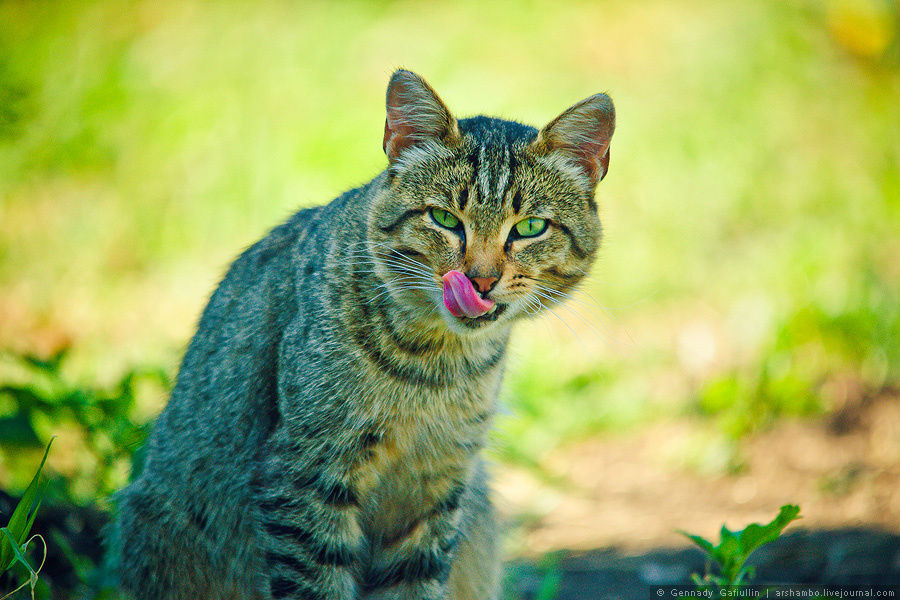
582	135
415	115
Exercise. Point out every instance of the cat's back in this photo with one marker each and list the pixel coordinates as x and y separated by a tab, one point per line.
225	399
205	443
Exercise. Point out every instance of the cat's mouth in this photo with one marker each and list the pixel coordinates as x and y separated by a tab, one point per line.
489	317
468	307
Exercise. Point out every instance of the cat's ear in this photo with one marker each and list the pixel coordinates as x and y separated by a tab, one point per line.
415	115
581	135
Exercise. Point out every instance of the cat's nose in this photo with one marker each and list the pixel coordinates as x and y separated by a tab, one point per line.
484	284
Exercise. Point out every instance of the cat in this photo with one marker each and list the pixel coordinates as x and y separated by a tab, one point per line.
322	441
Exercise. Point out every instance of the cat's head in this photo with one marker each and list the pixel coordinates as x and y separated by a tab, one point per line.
482	220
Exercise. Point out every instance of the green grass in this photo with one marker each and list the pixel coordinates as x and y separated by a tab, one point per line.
751	213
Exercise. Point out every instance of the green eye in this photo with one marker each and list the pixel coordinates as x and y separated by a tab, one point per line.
444	218
531	227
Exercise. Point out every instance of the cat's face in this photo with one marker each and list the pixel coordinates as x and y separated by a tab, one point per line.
491	213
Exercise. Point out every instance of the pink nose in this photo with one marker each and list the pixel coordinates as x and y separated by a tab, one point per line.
483	284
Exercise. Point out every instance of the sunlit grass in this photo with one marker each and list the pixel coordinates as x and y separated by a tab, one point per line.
751	209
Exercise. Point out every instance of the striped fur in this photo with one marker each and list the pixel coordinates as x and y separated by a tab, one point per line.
323	438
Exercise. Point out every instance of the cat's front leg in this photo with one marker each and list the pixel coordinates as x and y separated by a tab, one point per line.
309	532
416	564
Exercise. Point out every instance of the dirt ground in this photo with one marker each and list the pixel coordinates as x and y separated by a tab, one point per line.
613	505
635	491
600	523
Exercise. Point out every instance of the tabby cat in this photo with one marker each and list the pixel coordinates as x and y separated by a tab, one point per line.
323	438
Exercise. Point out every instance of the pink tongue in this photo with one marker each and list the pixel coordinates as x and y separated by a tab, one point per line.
460	297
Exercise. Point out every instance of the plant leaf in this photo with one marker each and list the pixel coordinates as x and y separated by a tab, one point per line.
755	535
25	397
727	554
23	516
6	553
37	506
17	553
49	364
17	430
703	543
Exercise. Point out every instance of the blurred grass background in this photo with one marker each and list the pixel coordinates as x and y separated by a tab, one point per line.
751	261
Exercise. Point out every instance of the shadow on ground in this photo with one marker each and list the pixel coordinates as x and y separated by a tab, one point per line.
828	557
848	556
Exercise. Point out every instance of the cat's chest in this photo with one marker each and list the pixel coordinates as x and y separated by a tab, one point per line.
422	428
416	465
426	442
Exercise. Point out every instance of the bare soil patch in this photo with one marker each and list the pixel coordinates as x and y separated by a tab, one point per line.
613	505
635	490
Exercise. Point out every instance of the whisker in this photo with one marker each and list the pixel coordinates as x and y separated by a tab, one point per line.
550	292
392	253
425	275
388	290
561	320
419	268
532	297
396	252
547	294
420	272
602	307
579	302
407	286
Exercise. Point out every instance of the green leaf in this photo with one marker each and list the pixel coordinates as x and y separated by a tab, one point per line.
19	555
755	535
25	397
50	364
31	517
550	585
727	551
17	430
17	551
746	573
703	543
23	516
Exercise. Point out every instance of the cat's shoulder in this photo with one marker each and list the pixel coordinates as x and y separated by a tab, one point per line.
296	239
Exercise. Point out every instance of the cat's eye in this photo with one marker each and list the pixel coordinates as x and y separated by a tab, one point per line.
444	218
531	227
